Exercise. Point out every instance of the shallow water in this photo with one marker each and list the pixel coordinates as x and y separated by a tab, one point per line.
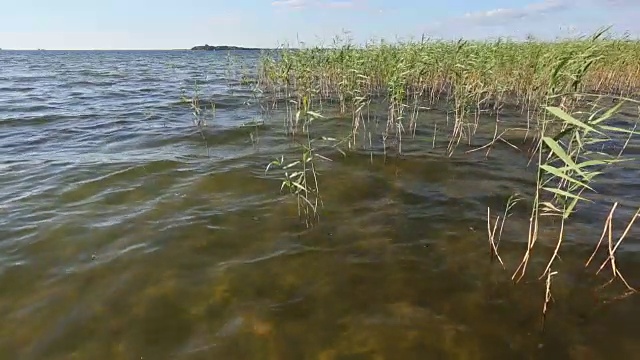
125	235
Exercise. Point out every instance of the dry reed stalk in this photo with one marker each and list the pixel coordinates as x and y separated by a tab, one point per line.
493	246
555	251
611	258
547	296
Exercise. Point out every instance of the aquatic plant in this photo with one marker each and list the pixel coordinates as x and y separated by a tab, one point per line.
198	110
300	175
568	165
559	88
468	78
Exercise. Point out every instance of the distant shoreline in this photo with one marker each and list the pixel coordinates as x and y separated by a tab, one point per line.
208	47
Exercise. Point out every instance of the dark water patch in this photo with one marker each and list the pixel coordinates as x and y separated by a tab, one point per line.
19	111
33	79
18	89
239	131
100	74
88	84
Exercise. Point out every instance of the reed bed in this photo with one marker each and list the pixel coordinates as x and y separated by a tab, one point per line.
468	77
550	83
489	72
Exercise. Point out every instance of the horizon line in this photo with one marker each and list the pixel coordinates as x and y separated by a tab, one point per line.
134	49
254	48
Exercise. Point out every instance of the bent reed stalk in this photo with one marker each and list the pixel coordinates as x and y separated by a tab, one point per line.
547	82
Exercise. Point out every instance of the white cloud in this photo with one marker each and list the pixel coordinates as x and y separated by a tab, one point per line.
498	16
545	7
545	18
333	4
294	4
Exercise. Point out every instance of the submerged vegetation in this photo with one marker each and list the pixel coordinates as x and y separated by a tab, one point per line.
567	92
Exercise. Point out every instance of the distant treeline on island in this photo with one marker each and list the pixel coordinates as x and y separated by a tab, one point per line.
208	47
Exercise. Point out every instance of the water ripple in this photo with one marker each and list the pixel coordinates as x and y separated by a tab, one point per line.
121	223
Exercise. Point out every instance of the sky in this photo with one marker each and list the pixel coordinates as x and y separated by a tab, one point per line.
179	24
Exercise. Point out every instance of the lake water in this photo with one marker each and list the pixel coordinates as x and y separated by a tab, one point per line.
125	235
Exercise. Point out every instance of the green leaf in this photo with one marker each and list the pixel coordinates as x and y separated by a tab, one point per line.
596	141
297	174
561	174
273	163
565	193
299	186
560	153
609	113
578	139
292	164
591	163
315	115
569	209
323	157
619	129
570	119
591	175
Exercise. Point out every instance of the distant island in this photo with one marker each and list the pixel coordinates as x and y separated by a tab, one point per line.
208	47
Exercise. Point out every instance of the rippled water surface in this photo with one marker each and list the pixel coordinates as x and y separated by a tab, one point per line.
125	235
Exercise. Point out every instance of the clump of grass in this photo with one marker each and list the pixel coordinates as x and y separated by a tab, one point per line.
197	107
567	168
198	110
300	176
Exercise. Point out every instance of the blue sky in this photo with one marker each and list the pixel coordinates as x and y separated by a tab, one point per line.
166	24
